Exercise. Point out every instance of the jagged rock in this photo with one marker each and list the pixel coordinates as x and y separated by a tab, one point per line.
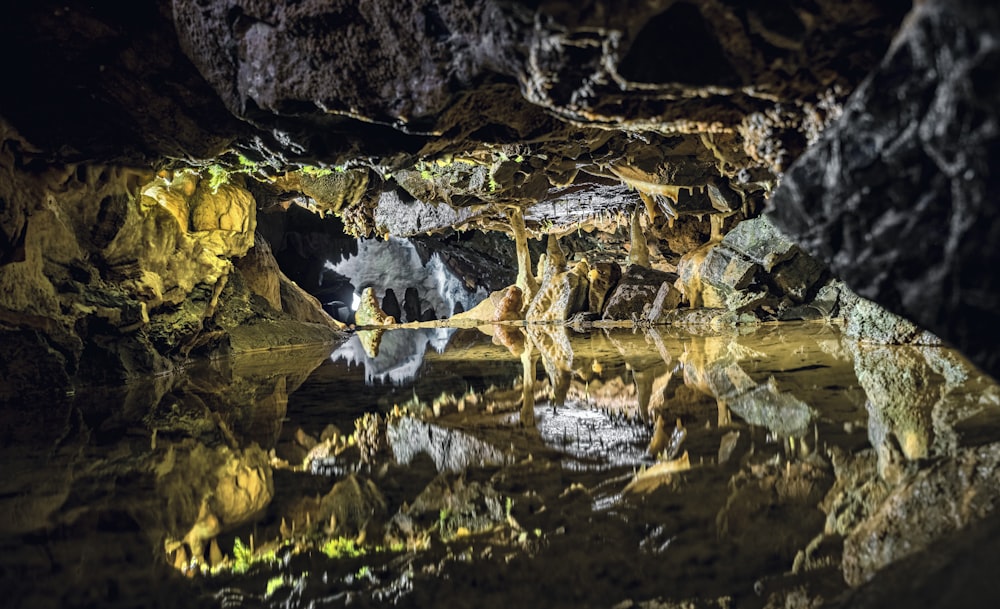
330	190
754	269
637	288
897	197
451	450
667	299
872	323
561	294
399	214
369	312
447	505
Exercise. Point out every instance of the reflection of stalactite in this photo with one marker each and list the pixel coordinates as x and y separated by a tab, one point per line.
644	388
528	360
556	351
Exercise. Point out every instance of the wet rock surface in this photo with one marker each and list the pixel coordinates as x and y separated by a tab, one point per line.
612	468
184	181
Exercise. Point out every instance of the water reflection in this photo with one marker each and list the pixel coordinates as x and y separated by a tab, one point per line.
393	357
746	461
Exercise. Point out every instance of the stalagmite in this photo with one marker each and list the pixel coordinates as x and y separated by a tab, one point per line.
525	279
556	255
639	252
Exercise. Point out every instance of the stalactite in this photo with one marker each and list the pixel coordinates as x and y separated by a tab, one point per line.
716	221
650	204
644	391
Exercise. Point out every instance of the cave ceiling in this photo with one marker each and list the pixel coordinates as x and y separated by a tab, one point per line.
480	105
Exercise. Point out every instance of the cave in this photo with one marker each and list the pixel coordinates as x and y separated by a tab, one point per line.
489	302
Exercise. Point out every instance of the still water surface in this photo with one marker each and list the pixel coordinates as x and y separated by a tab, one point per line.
533	465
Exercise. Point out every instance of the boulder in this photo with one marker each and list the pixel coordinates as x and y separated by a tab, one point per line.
636	292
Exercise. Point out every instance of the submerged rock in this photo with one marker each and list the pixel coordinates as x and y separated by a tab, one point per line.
779	411
450	507
351	507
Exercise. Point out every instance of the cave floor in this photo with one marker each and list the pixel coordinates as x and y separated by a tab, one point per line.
520	465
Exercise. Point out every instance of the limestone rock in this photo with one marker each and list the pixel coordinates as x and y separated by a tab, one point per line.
369	312
302	305
603	278
935	502
753	269
509	307
260	271
870	322
638	288
561	294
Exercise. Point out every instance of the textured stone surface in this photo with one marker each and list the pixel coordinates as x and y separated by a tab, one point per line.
753	269
635	292
934	503
898	197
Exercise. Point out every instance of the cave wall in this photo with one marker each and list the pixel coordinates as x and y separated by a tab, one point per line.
109	273
899	196
456	112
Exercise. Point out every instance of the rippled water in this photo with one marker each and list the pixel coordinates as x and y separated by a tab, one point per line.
774	464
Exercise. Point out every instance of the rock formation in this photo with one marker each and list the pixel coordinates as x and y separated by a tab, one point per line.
648	129
896	197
